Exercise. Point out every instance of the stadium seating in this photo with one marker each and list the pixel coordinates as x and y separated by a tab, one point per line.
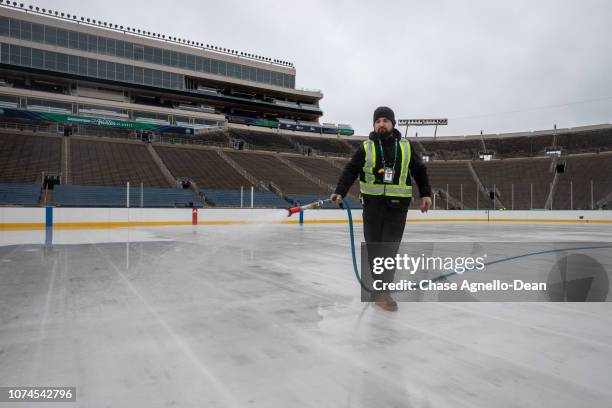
445	149
456	176
519	146
102	196
317	167
231	198
324	145
586	140
327	173
521	183
580	170
97	131
354	144
267	168
520	175
204	166
354	190
216	137
19	194
23	158
105	162
596	140
263	140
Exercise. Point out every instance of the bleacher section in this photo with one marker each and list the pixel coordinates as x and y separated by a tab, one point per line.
596	140
324	145
444	149
267	168
214	137
354	190
526	146
19	194
23	158
327	173
106	162
204	166
591	139
232	198
354	144
580	170
523	174
317	167
520	183
262	140
456	176
101	196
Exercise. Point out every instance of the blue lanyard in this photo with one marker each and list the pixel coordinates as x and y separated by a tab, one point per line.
382	154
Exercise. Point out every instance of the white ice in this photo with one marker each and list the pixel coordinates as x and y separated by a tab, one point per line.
270	316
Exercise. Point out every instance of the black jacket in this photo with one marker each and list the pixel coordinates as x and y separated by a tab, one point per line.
354	167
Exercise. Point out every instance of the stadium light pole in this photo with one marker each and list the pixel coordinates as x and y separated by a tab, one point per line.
422	122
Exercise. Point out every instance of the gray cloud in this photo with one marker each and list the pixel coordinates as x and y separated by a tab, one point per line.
470	61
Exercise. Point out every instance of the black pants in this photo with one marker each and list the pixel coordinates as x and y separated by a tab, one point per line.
384	220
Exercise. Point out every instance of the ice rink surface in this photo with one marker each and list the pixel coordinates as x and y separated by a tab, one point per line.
270	316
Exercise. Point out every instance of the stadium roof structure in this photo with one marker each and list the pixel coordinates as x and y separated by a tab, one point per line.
136	31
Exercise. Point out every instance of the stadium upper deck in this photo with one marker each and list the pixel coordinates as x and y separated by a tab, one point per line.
62	54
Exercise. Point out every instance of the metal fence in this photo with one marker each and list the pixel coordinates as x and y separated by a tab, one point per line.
566	195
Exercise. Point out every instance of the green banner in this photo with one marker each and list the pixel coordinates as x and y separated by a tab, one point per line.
124	124
266	123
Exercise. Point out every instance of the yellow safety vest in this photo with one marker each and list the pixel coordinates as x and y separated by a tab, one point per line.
370	186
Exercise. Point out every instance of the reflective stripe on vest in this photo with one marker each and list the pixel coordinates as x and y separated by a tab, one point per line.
370	161
371	187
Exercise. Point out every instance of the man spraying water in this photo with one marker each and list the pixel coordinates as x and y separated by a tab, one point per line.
385	164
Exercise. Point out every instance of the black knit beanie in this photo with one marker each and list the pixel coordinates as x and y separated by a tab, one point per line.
384	112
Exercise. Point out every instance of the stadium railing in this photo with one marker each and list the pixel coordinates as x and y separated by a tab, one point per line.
101	196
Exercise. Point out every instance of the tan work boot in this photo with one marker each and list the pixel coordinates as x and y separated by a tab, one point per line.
385	301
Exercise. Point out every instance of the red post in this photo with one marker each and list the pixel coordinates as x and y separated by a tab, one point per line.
194	216
293	210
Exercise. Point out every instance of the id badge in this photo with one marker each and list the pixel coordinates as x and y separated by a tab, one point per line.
388	178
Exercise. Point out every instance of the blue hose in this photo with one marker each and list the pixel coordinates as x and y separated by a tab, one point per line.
347	207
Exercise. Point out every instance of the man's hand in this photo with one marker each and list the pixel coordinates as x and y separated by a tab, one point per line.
336	198
425	204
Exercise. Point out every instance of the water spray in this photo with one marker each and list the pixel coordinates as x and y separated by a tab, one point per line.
312	206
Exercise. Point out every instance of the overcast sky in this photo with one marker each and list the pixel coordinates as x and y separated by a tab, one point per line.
499	66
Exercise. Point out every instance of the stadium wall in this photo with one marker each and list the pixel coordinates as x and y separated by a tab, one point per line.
61	218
